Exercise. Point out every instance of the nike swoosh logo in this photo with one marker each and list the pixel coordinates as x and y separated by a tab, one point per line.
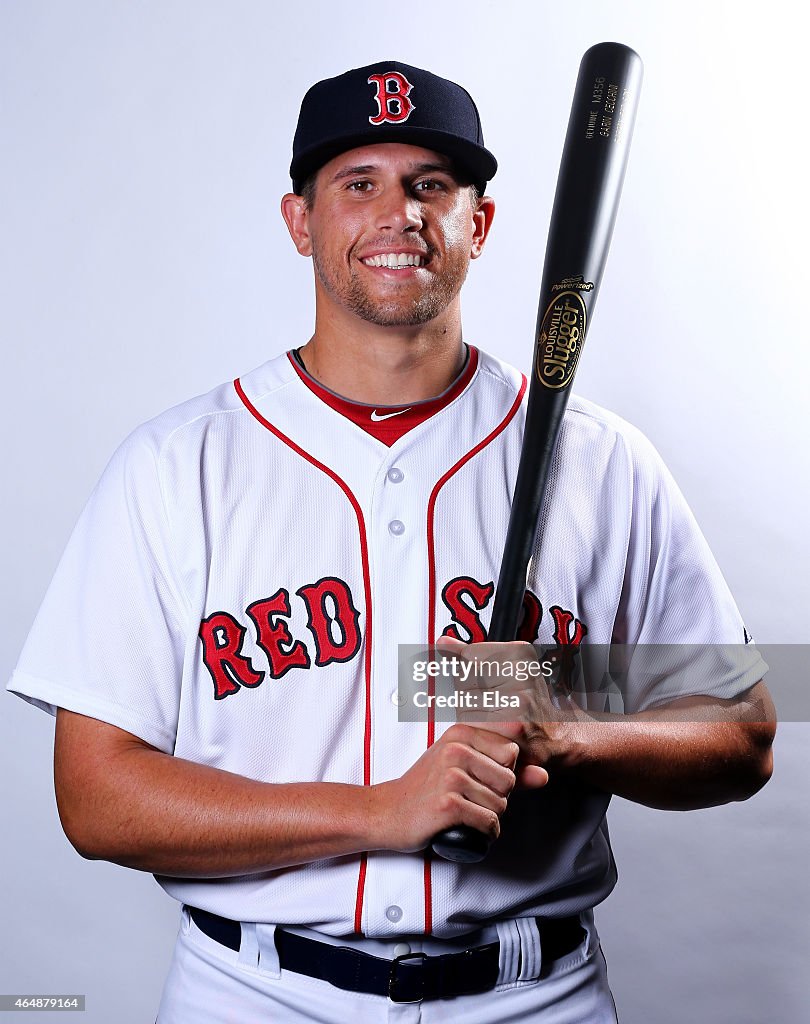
376	418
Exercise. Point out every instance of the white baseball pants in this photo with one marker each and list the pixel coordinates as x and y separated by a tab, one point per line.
211	984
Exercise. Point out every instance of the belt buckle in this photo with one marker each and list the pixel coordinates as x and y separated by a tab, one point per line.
394	981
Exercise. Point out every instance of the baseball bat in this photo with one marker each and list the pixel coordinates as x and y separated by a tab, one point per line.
589	184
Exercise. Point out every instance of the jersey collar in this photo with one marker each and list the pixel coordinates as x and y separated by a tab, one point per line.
388	423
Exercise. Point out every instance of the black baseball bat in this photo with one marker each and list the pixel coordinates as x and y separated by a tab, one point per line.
589	184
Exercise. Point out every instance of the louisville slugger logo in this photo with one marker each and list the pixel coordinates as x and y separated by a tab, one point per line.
392	91
559	343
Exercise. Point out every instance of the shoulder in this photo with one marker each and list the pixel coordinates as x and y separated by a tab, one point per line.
167	454
589	421
599	442
189	424
499	376
585	423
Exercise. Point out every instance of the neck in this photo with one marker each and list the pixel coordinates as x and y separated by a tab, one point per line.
385	365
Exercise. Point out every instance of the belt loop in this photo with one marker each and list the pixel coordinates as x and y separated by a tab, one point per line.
509	953
531	953
249	947
268	954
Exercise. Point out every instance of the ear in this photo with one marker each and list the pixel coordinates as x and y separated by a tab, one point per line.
482	222
296	217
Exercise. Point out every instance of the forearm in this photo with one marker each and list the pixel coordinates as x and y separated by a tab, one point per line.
124	801
672	765
139	807
695	752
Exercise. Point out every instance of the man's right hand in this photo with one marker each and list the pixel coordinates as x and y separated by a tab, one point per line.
464	778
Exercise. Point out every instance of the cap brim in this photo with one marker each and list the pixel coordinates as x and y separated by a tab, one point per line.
472	160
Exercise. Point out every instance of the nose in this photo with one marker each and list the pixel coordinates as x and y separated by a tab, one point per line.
398	210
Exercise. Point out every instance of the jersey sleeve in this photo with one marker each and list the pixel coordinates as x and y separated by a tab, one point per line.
108	639
678	627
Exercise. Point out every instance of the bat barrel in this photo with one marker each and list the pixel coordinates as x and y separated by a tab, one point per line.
589	184
592	169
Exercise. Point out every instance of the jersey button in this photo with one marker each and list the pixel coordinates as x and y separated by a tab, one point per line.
395	475
394	913
396	527
401	949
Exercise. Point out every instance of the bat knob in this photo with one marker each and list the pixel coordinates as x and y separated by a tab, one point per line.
461	844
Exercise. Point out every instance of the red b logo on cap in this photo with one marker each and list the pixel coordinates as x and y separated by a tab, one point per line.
392	98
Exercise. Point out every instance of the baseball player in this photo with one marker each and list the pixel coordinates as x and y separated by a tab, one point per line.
219	642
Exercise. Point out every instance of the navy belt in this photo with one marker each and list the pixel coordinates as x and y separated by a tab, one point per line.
410	978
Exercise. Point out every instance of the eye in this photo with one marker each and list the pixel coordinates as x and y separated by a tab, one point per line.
359	185
428	185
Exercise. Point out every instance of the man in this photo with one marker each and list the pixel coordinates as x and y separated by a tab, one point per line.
220	640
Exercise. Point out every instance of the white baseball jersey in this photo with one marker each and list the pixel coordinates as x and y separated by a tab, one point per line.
237	586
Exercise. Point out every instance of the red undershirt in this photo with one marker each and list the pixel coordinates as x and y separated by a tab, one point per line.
390	422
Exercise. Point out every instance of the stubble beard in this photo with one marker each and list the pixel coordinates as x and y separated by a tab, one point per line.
395	311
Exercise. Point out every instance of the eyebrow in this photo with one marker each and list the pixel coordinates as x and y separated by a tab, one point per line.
423	168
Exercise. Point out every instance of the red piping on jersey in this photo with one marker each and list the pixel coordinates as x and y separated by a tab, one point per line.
361	880
431	638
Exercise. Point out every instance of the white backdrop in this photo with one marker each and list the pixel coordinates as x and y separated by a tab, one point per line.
144	147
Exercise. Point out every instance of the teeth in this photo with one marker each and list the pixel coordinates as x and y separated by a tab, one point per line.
393	260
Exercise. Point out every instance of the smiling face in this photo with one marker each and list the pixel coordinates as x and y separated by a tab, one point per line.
391	230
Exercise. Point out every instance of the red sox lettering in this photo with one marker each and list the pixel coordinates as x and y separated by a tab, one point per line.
330	608
334	624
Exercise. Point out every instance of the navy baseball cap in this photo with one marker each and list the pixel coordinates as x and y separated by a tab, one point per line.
389	102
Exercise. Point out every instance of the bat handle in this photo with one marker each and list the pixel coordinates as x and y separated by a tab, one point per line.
461	845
